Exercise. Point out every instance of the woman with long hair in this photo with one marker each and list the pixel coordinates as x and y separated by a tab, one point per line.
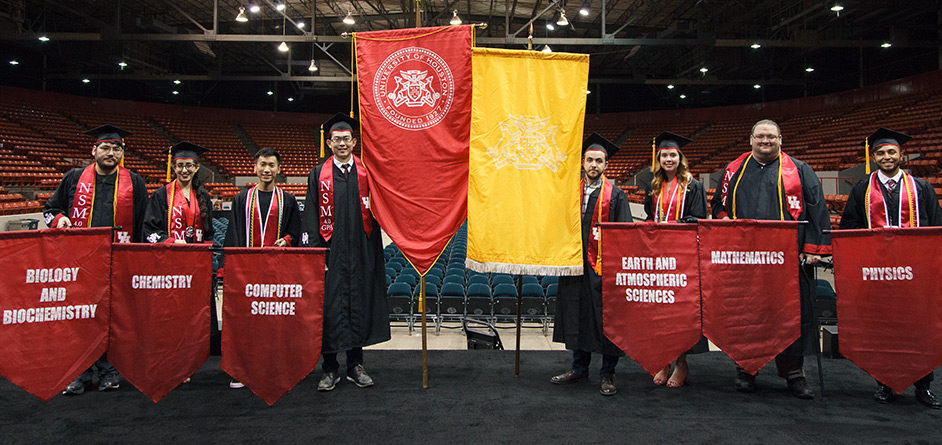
181	211
674	196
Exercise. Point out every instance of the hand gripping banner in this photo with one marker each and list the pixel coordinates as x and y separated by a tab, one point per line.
651	290
889	287
159	313
55	305
272	317
749	285
415	113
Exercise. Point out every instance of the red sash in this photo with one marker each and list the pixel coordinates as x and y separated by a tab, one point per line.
788	179
326	192
670	209
877	211
183	219
599	214
123	203
259	234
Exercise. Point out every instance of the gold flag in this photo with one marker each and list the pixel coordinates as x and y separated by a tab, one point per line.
527	116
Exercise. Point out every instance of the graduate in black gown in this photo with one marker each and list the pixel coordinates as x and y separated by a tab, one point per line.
578	321
86	198
752	183
337	216
883	200
181	211
674	196
263	204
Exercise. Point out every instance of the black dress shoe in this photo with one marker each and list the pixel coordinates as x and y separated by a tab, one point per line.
328	381
925	397
800	388
569	376
608	386
359	377
884	394
75	388
745	382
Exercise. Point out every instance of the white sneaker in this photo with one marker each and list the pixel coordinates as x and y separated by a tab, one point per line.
235	384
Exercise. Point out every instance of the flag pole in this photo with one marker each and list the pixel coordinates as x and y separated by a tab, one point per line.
519	323
424	338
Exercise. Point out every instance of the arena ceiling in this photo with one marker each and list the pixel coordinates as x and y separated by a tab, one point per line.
645	54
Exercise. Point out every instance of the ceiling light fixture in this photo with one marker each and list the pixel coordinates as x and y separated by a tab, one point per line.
270	92
562	21
757	86
176	82
670	87
122	64
550	26
241	16
683	96
547	49
455	20
313	66
254	8
175	92
886	45
755	46
86	80
584	11
349	18
837	8
14	62
283	47
43	38
280	6
704	70
300	25
809	70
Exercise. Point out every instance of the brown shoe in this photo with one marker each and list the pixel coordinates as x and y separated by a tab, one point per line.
569	376
608	386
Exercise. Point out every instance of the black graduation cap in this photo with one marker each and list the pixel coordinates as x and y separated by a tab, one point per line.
339	122
666	140
879	138
183	150
108	133
597	142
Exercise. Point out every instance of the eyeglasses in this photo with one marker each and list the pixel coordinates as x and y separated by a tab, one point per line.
765	137
111	148
187	166
339	139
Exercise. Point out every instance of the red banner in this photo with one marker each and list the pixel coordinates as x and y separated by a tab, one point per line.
159	314
890	301
272	317
650	290
54	304
749	285
415	114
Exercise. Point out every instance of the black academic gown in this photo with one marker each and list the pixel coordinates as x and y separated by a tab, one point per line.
578	321
855	212
155	220
695	203
290	222
60	203
757	199
695	206
355	311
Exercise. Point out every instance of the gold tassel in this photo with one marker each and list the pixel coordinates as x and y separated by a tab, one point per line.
169	160
322	140
867	154
653	153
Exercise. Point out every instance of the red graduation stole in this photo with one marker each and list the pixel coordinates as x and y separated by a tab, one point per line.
326	201
664	211
259	234
877	211
123	202
183	219
599	214
788	180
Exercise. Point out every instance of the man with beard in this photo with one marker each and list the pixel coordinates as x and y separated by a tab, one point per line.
337	216
103	194
890	197
579	307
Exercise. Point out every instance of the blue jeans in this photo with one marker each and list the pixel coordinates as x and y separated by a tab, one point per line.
581	360
104	368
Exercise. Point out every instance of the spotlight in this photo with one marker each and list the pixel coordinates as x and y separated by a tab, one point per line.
455	20
241	16
175	92
280	6
670	87
704	70
86	80
14	62
550	26
283	47
270	92
683	96
349	18
43	38
313	66
290	99
254	8
176	82
755	46
809	70
886	45
757	86
122	64
837	8
584	11
300	25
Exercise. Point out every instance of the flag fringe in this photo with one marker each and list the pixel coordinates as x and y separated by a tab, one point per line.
523	269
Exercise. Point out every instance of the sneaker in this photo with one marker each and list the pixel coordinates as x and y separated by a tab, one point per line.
745	382
328	382
359	377
75	388
235	384
109	382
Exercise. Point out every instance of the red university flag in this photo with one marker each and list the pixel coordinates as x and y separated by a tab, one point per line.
55	306
160	296
651	290
889	303
749	285
415	117
272	317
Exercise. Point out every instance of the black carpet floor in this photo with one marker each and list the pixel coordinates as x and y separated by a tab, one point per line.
473	396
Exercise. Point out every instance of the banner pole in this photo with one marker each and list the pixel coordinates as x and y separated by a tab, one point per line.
424	338
519	323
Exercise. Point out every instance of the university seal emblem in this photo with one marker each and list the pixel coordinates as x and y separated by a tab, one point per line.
527	142
414	88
